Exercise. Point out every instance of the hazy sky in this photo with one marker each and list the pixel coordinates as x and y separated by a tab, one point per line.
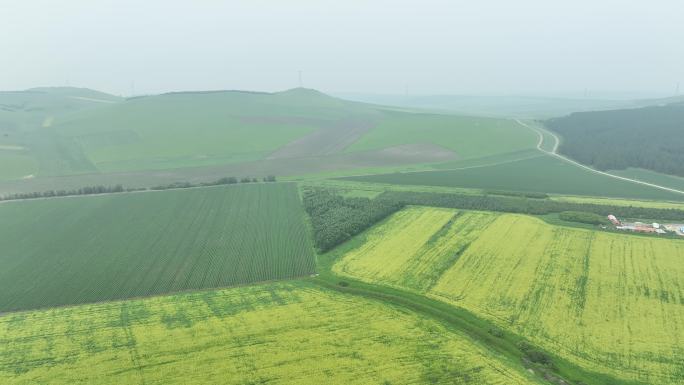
426	46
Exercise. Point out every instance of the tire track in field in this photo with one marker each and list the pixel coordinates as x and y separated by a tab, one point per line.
131	342
554	152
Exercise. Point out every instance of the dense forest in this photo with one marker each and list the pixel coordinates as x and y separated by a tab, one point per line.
335	219
649	137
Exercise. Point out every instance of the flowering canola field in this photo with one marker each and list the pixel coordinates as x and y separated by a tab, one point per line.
280	333
612	303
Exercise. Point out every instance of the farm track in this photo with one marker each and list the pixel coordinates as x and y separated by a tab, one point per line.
554	152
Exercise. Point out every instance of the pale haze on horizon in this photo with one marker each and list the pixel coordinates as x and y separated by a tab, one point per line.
390	47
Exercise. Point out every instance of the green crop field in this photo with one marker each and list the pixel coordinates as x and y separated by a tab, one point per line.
281	333
85	249
609	302
469	137
16	164
671	181
539	174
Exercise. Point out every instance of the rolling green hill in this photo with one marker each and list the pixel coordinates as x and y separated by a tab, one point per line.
177	130
202	136
28	145
168	131
37	107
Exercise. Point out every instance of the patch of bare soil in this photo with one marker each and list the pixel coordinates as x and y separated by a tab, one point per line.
391	156
331	138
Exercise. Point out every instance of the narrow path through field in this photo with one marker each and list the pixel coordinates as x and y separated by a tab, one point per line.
554	152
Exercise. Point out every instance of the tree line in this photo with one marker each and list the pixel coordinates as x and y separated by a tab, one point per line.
89	190
525	205
101	189
335	219
582	217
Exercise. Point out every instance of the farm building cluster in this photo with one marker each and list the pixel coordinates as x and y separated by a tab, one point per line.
640	227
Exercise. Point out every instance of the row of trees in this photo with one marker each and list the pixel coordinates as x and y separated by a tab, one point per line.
89	190
582	217
101	189
533	195
218	182
525	205
335	219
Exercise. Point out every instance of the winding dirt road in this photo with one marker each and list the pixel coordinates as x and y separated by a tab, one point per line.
554	152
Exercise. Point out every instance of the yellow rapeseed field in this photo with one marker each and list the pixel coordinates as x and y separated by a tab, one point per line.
612	303
414	247
281	333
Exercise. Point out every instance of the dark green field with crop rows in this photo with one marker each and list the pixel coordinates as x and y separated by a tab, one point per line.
76	250
543	174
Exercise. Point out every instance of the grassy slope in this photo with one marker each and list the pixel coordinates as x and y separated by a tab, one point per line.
285	333
85	249
469	137
74	131
25	118
16	164
608	302
30	110
540	174
198	128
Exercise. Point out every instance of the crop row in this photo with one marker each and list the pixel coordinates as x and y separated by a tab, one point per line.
76	250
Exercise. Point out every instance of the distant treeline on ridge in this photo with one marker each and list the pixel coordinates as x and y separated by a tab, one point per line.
94	190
